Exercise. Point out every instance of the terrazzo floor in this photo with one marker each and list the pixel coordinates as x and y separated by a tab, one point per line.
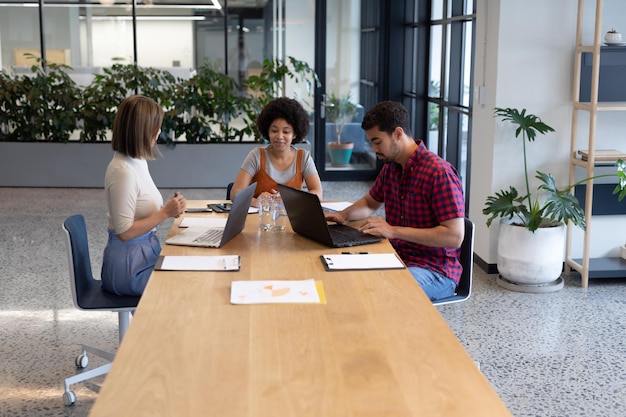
547	355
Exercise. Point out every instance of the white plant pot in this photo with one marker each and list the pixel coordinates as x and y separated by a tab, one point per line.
613	37
531	260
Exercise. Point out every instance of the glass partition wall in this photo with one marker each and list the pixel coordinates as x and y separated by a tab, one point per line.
354	45
438	89
96	34
234	36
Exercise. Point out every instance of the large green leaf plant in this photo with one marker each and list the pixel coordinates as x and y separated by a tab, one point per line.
548	205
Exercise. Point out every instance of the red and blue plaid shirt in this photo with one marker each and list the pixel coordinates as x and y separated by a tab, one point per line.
427	193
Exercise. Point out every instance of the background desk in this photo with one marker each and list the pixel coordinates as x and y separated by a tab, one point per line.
377	348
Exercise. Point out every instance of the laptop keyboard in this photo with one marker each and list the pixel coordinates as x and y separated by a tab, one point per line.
342	234
210	236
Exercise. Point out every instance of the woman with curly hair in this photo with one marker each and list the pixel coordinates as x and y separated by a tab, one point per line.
284	122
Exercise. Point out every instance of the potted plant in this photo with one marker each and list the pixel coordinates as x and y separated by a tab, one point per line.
531	238
207	106
41	106
107	90
340	110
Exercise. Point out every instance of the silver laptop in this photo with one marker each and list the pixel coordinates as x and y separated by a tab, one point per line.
306	216
216	237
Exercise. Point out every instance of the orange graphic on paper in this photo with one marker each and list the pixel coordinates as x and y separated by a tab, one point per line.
277	292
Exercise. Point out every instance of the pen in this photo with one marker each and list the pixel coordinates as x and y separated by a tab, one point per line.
355	253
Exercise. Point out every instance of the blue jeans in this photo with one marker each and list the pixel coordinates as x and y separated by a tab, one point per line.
126	266
435	285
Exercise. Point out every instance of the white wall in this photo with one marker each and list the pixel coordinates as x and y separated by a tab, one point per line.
526	61
114	39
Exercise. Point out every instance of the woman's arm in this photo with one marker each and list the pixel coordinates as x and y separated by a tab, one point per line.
314	185
174	208
243	180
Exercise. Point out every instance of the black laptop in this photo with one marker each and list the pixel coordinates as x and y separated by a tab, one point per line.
307	219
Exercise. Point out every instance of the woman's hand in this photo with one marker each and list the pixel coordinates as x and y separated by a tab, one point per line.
175	206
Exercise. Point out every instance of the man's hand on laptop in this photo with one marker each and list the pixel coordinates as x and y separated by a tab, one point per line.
335	216
377	226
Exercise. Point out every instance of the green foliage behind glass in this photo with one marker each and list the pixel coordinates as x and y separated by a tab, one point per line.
44	105
47	105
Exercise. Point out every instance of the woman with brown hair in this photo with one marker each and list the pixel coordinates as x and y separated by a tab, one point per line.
135	205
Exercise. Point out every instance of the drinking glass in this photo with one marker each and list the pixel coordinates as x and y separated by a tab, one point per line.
280	214
266	213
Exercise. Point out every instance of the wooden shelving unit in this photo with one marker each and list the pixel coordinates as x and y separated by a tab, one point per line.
586	266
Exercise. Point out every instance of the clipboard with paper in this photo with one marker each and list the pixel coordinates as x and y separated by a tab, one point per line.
361	261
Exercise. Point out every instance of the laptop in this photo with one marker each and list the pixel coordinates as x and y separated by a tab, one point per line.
216	237
306	216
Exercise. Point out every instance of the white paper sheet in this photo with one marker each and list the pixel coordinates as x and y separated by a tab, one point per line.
336	205
206	222
199	263
272	292
362	261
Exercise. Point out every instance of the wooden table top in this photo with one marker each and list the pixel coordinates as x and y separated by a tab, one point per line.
378	347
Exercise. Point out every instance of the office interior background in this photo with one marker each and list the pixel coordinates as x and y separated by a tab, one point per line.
354	47
449	61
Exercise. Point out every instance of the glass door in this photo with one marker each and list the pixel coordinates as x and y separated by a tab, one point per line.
341	150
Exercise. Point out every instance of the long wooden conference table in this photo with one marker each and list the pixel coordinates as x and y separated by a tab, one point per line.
377	347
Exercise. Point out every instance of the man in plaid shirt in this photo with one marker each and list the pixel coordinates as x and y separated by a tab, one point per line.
423	198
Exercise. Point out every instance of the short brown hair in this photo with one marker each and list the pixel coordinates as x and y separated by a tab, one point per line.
386	116
137	122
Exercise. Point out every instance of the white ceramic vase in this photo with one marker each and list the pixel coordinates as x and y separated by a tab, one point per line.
613	36
528	258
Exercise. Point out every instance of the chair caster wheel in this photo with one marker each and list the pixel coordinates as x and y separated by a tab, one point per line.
82	361
69	398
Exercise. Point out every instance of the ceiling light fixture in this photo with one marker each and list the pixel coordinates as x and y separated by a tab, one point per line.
213	5
144	18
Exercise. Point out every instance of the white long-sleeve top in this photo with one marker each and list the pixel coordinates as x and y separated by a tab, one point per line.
130	192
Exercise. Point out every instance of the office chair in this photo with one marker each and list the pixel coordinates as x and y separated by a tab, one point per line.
88	295
228	190
464	289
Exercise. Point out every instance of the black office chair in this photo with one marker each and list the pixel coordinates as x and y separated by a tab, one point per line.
228	190
88	295
464	289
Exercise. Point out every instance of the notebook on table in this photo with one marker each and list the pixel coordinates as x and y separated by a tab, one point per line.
216	237
306	216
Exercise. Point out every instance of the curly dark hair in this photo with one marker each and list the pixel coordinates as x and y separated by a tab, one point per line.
288	109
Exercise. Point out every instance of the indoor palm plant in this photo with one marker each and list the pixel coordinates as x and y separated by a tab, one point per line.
536	217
